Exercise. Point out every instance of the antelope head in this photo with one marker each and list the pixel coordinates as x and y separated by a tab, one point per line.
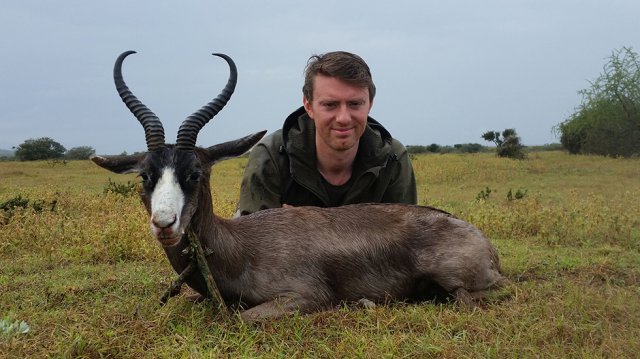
175	178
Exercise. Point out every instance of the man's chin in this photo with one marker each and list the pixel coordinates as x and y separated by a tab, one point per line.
343	147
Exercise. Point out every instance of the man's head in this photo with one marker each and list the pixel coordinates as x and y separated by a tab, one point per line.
342	65
338	95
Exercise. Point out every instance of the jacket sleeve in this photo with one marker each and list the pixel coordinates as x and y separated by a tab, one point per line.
261	187
402	188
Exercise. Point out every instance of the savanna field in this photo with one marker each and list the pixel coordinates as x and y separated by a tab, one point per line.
80	274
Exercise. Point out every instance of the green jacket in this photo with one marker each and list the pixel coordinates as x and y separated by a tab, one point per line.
282	169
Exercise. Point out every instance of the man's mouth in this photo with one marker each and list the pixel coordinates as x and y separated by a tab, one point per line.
342	131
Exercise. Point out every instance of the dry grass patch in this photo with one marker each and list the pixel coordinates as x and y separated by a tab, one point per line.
82	271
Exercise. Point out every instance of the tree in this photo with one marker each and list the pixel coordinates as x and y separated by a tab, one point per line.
468	147
508	145
42	148
607	122
80	153
434	147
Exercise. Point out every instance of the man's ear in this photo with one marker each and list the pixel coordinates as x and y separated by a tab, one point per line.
119	164
233	148
307	106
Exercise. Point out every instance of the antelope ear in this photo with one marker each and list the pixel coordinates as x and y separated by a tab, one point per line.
119	164
233	148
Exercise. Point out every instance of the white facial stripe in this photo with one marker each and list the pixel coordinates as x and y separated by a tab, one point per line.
167	200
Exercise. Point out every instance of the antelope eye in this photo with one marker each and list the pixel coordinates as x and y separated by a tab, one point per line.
144	176
194	177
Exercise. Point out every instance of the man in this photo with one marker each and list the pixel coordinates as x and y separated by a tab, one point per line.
329	152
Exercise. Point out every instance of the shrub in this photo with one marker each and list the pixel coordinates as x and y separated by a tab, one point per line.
508	145
80	153
10	206
607	122
42	148
124	189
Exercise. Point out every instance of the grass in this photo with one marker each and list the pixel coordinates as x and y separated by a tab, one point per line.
80	268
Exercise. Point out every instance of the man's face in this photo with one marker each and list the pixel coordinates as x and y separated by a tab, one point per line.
339	111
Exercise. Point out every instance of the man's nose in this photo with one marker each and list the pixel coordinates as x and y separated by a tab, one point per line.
343	115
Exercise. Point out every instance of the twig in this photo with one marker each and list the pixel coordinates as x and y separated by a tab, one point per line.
174	288
201	260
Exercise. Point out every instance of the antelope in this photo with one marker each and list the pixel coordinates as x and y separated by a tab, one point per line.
278	261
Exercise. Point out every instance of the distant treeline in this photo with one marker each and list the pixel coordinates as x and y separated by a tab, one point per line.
6	153
474	148
413	149
459	148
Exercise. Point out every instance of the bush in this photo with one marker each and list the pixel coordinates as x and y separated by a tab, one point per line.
80	153
435	148
468	147
607	122
508	145
124	189
10	206
42	148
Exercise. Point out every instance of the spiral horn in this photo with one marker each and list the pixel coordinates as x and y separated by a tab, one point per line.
153	130
188	131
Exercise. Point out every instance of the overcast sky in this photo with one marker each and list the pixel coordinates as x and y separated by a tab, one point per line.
446	71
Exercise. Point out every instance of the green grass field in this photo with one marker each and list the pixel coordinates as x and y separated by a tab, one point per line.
80	269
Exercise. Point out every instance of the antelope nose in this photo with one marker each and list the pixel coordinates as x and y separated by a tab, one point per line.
163	221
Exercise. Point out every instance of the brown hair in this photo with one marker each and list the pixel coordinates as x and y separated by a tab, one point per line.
343	65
